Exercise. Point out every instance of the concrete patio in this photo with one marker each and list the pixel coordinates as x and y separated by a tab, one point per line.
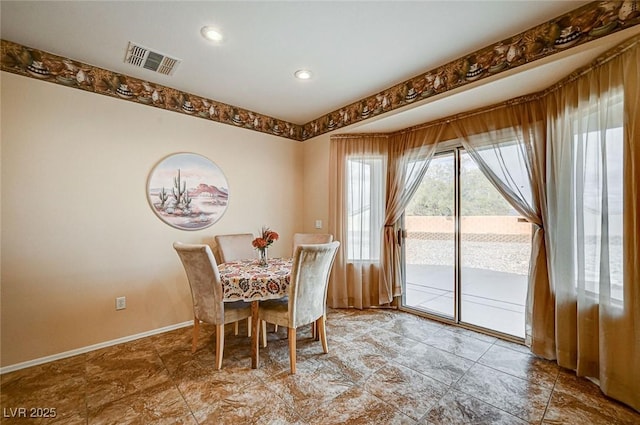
493	275
490	299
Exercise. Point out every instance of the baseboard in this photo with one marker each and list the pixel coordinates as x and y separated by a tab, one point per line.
93	347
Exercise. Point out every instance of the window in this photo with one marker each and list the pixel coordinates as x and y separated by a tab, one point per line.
365	207
597	205
585	191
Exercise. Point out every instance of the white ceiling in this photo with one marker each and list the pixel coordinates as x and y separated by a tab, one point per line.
354	48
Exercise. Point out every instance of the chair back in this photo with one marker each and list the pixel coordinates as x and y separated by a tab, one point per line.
310	238
235	247
204	280
309	280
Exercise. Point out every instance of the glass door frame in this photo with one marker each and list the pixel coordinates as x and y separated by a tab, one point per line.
455	319
455	149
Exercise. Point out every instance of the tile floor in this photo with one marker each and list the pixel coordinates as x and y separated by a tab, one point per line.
383	367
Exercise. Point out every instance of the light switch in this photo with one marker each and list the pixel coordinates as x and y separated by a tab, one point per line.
318	224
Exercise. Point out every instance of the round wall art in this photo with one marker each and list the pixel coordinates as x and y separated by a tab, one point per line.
187	191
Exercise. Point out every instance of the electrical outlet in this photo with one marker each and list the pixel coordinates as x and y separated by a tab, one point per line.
318	224
121	303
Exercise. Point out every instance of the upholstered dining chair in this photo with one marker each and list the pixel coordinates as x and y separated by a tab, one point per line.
206	293
236	247
310	238
307	295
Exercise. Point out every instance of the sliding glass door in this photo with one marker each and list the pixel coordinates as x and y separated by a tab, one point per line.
430	248
466	251
495	246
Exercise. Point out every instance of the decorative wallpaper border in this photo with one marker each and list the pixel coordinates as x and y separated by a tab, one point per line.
579	26
46	66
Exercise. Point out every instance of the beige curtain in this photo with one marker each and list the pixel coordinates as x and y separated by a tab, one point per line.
355	279
508	144
367	268
593	224
410	153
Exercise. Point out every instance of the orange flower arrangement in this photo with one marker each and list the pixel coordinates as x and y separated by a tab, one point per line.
266	238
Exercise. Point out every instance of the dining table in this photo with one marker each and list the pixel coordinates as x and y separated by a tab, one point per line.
247	280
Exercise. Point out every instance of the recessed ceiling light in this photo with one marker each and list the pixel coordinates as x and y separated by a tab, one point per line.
302	74
211	33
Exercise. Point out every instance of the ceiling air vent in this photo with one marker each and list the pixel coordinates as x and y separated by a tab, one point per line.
143	57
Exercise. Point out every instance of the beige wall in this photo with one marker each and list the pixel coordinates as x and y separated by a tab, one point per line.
77	230
316	184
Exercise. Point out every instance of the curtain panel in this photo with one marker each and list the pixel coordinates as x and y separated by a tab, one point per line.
355	279
593	222
410	154
362	281
508	144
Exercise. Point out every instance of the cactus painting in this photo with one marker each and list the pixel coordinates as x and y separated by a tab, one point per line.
198	193
163	196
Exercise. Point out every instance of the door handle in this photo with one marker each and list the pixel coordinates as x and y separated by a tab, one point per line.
400	236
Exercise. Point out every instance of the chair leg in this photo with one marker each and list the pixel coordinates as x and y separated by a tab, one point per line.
264	333
292	349
219	345
314	326
248	327
196	330
322	330
235	328
314	331
275	328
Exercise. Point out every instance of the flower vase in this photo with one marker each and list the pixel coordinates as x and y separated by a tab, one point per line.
262	257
